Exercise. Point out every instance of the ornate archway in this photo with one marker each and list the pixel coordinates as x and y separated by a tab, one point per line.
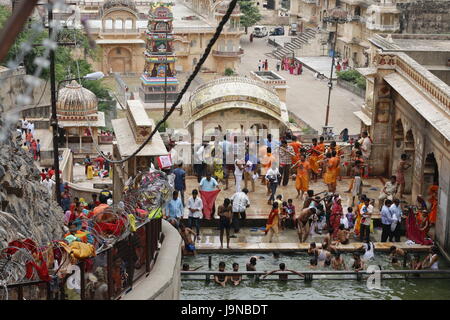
119	60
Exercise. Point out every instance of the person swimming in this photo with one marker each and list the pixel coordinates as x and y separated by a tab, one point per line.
282	277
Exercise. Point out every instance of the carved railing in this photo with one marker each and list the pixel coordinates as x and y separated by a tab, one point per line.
431	86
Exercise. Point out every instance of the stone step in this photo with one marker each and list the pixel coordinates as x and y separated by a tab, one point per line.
242	247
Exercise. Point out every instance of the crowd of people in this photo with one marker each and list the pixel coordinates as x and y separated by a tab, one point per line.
279	162
97	167
26	135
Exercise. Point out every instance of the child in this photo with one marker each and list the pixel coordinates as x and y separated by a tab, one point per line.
350	217
279	199
290	208
220	279
236	280
344	221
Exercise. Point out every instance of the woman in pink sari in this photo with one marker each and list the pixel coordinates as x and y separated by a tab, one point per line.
33	149
336	215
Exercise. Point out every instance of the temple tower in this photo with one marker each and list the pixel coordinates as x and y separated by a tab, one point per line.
160	59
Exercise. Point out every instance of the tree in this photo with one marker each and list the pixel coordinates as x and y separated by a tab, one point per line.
67	65
229	72
251	13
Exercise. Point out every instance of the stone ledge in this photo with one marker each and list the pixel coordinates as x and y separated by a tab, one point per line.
163	282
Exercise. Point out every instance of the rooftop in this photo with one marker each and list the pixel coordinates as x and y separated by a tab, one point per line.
411	42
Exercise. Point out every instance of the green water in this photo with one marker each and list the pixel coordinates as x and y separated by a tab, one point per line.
423	289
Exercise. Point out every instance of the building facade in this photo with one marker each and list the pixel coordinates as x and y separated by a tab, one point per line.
368	17
407	110
119	29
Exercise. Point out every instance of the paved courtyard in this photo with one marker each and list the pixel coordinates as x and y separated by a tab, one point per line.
306	96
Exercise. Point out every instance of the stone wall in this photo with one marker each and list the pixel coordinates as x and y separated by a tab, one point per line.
163	282
426	16
27	209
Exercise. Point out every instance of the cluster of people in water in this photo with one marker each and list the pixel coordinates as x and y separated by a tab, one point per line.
325	256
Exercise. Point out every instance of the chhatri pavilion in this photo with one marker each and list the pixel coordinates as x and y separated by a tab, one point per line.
77	110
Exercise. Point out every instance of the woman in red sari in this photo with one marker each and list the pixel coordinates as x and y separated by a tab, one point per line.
336	215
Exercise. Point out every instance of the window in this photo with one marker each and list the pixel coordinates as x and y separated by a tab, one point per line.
119	24
108	24
129	24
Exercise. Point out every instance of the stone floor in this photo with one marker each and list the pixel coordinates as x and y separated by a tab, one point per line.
311	108
258	199
81	180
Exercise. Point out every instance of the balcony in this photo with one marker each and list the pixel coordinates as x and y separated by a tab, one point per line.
119	31
356	19
383	27
228	54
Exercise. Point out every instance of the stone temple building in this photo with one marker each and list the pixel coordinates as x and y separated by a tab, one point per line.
407	110
235	104
119	29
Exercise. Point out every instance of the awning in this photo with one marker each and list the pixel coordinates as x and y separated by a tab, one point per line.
362	116
432	113
118	41
127	145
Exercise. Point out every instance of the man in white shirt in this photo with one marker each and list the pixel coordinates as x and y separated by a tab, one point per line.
238	173
199	162
366	149
366	217
24	126
49	184
195	207
396	213
240	202
273	179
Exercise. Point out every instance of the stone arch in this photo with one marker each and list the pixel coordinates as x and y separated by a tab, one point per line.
430	171
409	150
119	59
398	143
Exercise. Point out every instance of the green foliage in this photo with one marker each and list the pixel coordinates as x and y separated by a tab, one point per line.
65	58
251	13
354	77
229	72
361	83
292	120
162	127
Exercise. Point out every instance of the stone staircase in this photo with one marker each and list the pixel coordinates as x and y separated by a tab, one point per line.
297	42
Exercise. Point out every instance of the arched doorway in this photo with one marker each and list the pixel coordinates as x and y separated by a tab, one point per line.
119	60
398	145
409	150
430	172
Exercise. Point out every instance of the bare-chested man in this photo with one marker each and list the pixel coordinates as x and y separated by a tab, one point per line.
282	277
303	224
343	236
337	262
189	247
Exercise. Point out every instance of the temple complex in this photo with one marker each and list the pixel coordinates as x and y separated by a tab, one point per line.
406	110
159	81
119	28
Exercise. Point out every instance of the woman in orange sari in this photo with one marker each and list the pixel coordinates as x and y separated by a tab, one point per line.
296	146
313	159
273	221
432	192
302	179
358	215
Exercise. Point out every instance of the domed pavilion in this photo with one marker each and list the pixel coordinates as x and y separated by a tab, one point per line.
77	110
